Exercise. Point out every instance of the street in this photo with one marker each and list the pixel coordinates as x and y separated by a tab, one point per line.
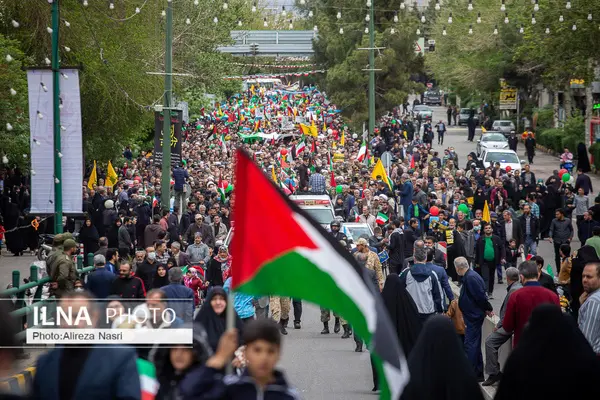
325	366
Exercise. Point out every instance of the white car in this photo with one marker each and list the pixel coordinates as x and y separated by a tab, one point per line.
318	207
354	230
506	158
491	141
424	111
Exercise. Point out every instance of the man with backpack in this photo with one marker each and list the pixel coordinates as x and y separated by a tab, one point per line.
422	283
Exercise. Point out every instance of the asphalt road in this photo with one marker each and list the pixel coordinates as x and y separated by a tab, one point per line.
325	366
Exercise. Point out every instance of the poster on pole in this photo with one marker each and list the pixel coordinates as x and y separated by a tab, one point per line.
41	117
508	98
176	124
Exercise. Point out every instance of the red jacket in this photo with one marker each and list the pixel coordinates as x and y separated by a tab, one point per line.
521	304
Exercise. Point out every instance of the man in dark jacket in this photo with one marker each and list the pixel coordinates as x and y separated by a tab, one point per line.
187	218
179	176
396	248
99	281
489	252
205	230
410	235
143	213
303	174
126	285
583	181
181	297
585	227
146	270
474	306
152	231
513	141
530	230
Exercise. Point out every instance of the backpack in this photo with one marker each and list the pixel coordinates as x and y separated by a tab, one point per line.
421	293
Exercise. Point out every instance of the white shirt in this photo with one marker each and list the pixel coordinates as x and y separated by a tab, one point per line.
509	230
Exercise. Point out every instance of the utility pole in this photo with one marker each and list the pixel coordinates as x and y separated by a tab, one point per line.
58	208
165	187
371	72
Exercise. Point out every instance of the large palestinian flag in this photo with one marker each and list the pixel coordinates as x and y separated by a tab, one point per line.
303	261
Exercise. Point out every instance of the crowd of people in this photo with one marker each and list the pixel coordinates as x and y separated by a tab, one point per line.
436	222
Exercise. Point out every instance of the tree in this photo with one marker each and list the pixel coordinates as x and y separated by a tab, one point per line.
346	82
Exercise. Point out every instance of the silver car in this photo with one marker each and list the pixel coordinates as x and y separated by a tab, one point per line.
491	140
424	111
504	126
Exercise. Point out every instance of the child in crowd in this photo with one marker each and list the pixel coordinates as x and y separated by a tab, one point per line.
263	350
512	254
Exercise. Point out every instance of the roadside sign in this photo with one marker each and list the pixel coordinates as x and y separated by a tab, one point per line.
386	159
419	46
508	98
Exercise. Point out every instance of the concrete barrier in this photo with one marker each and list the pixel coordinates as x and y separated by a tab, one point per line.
488	327
19	383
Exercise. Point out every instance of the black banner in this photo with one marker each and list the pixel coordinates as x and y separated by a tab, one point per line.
176	125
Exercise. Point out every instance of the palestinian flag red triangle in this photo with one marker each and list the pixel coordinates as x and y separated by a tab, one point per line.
303	261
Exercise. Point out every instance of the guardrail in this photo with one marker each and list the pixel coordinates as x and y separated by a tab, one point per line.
23	310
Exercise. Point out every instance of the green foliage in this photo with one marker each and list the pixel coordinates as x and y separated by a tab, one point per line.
570	135
13	108
346	81
117	49
595	152
545	117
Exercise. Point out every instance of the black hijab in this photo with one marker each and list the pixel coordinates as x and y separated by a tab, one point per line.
403	312
439	369
553	360
215	325
583	161
160	281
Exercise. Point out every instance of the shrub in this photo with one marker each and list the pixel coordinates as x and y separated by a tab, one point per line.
595	152
545	117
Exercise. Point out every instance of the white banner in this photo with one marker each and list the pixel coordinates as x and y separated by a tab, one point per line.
87	337
40	87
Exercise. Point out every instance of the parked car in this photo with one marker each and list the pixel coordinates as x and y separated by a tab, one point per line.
354	230
504	126
506	158
424	111
491	140
464	114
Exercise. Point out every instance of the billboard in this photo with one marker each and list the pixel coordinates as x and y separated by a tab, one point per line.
176	125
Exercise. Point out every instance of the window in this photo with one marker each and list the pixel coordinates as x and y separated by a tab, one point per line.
504	158
321	215
493	137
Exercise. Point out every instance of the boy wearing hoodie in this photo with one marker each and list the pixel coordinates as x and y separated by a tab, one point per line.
259	380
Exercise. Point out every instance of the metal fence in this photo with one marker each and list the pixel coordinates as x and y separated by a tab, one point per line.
26	304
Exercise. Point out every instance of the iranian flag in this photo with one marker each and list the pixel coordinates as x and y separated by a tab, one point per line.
300	147
362	152
381	219
148	382
303	261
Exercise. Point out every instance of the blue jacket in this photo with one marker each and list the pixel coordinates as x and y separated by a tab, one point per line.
183	303
443	278
108	373
242	303
99	282
406	194
420	272
179	176
473	300
206	383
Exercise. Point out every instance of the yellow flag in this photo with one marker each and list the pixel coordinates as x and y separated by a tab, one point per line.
324	127
486	213
93	179
313	130
483	130
343	139
252	89
379	170
111	176
273	175
309	130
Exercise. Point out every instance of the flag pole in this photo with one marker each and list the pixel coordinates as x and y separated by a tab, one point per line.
229	324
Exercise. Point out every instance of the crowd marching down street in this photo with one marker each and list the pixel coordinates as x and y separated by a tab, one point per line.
423	231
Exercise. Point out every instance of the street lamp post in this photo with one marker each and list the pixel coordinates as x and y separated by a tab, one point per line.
371	72
165	189
58	204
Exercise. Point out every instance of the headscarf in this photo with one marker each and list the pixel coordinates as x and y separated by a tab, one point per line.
439	369
403	312
187	281
553	360
214	324
160	281
225	260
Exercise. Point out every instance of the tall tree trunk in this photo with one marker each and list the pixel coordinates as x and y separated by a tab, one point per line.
556	107
568	102
589	105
